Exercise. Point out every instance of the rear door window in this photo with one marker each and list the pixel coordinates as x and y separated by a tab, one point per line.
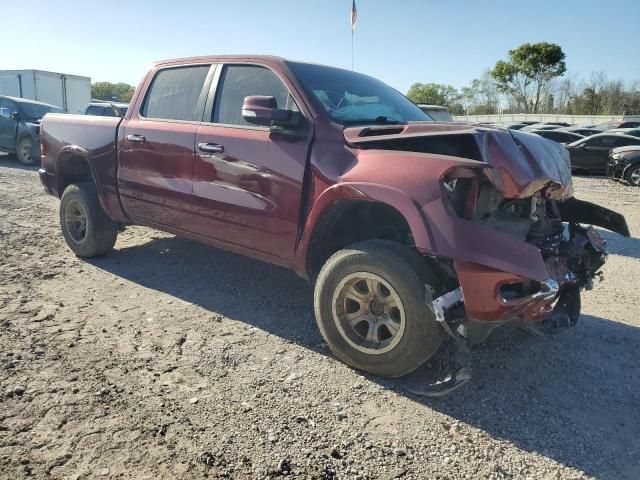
240	81
174	93
623	142
93	110
602	142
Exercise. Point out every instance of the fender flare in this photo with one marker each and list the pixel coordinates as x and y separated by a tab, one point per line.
401	202
70	151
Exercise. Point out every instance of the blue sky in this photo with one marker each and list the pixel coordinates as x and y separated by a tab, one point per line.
400	42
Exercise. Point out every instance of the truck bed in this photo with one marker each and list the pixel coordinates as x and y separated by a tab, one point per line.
75	141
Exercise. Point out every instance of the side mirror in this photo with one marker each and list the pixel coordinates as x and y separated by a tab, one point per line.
264	111
5	112
15	116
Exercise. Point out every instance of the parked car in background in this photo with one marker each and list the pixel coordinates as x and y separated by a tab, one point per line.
603	127
591	154
581	130
514	126
411	230
634	132
539	126
437	112
20	127
106	109
558	136
624	164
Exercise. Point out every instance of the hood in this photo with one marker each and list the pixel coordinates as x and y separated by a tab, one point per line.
522	163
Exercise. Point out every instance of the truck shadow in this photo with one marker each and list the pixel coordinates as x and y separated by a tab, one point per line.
619	245
9	161
574	398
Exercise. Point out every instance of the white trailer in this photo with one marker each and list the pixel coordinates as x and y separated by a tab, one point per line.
69	92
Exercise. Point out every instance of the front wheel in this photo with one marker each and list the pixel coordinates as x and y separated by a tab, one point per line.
370	307
86	228
24	151
633	175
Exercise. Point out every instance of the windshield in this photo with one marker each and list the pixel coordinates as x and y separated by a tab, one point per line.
35	111
351	98
607	126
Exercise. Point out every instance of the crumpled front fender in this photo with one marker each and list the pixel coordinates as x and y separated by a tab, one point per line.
467	241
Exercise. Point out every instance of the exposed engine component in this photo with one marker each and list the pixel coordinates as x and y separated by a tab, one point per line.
572	254
547	230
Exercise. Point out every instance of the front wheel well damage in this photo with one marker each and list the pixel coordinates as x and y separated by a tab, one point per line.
347	222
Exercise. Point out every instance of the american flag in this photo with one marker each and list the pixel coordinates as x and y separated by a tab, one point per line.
354	15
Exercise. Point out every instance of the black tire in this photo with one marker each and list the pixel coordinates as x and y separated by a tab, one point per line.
99	233
633	175
24	151
400	267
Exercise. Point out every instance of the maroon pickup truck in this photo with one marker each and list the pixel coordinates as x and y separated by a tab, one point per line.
413	231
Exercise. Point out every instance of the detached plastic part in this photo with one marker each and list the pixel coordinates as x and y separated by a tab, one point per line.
417	382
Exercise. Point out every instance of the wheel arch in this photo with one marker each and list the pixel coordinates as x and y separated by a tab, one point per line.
336	216
630	168
73	166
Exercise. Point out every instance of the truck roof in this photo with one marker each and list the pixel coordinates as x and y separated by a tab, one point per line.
221	58
26	100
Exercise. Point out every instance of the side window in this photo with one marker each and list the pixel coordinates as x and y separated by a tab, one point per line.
622	142
555	136
602	142
108	112
5	105
93	110
174	93
240	81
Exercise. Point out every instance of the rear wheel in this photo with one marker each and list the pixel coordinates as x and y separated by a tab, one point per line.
86	228
633	175
370	307
24	151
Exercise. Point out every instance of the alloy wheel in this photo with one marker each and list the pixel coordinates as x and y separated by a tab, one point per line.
75	218
368	313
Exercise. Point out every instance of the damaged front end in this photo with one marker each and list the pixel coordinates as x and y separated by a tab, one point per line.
572	256
505	233
528	203
510	198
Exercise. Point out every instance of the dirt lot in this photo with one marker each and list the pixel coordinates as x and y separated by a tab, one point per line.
169	359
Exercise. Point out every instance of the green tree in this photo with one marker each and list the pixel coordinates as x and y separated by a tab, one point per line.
481	97
528	72
436	94
119	92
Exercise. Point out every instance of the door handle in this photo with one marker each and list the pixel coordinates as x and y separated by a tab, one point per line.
210	148
136	138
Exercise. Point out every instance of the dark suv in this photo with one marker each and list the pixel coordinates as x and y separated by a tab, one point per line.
20	126
106	109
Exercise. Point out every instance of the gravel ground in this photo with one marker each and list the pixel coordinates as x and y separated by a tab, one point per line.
169	359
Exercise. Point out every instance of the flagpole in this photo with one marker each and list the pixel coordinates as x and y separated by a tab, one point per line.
352	49
354	16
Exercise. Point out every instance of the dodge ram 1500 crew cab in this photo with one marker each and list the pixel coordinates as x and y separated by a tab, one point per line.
412	230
